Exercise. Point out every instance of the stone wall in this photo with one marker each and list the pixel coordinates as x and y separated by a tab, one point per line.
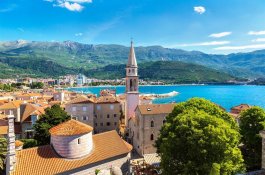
121	161
107	117
142	132
79	113
72	146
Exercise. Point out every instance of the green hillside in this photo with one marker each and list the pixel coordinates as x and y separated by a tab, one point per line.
75	55
168	71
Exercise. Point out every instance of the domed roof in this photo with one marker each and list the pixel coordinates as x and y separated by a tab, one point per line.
70	127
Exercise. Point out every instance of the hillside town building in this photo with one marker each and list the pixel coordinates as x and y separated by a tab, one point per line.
144	128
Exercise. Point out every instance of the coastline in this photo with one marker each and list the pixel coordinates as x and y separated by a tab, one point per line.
163	85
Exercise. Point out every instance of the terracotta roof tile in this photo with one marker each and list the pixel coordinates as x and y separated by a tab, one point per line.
107	99
30	109
43	159
70	127
150	109
11	105
241	107
18	143
3	130
81	99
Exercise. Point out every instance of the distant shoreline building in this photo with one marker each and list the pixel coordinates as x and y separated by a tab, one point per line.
80	80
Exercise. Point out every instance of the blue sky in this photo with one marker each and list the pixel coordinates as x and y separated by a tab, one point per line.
211	26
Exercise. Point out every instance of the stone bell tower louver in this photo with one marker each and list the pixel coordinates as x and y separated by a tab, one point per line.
132	93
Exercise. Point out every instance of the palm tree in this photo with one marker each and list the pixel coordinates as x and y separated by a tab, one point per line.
3	150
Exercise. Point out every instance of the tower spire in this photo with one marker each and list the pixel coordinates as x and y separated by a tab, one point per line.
132	86
132	59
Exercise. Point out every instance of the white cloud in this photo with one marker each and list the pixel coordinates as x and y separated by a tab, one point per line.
258	40
210	43
200	9
257	32
244	47
220	35
78	34
80	1
72	5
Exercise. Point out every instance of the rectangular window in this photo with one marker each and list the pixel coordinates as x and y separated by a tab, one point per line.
107	115
95	116
73	108
108	123
115	123
85	118
84	108
96	124
79	141
75	118
98	107
33	119
111	107
115	115
101	124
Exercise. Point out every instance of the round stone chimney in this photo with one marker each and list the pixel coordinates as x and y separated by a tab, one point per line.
72	139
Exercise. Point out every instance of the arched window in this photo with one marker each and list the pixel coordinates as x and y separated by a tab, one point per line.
134	84
129	70
152	137
152	123
131	84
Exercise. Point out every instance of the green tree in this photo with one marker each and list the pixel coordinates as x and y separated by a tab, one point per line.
36	85
29	143
3	151
252	121
52	117
6	87
199	138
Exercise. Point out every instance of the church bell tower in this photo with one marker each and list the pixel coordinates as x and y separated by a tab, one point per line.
132	93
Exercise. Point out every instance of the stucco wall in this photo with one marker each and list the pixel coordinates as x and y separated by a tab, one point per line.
68	146
79	113
105	114
132	100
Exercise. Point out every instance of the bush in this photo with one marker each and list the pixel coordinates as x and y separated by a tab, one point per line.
29	143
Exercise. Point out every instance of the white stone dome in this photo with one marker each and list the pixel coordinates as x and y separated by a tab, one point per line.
72	139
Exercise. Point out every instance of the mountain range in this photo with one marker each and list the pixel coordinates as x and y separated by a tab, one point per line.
58	58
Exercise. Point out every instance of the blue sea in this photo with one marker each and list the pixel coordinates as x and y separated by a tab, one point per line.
226	96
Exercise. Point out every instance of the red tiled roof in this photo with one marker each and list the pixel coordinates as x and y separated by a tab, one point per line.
43	160
81	99
150	109
70	127
30	109
18	143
